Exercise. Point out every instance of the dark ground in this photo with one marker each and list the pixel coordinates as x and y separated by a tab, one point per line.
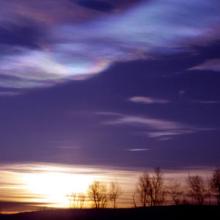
154	213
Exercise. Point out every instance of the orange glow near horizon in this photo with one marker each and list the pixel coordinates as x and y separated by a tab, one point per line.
50	185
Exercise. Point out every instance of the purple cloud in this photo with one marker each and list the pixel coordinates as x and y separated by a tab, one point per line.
208	65
147	100
138	149
71	42
161	129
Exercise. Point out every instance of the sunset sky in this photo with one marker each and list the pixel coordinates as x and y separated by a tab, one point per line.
116	85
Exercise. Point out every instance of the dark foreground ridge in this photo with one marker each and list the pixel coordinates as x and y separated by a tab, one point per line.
154	213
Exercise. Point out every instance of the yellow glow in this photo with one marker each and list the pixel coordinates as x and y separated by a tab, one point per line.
34	185
54	187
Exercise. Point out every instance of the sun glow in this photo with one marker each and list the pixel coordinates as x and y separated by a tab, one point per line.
30	186
54	188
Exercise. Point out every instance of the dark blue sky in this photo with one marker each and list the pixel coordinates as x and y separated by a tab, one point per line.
134	84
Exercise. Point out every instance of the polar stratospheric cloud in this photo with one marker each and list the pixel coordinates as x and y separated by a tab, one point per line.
42	47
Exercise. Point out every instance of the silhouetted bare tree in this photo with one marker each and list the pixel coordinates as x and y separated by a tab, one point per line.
98	194
134	199
114	193
76	200
197	189
72	200
81	200
151	188
157	192
144	189
215	184
176	193
209	194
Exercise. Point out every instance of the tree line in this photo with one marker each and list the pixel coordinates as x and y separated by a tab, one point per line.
151	190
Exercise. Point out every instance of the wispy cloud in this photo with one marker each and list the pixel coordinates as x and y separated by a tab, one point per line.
154	127
206	101
147	100
144	121
172	133
42	48
9	93
138	149
208	65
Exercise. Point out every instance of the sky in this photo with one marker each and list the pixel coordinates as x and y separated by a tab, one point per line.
132	84
124	84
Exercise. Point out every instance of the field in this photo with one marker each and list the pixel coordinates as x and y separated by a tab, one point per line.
154	213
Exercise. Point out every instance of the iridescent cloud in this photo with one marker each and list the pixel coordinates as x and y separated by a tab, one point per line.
76	39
